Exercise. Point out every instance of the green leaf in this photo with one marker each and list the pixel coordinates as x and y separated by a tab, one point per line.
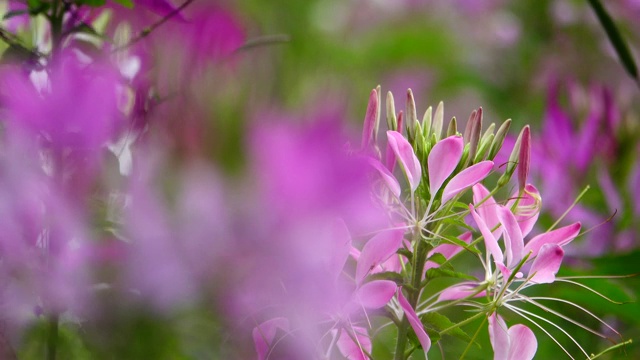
125	3
439	322
387	275
616	38
454	240
438	272
14	13
92	3
440	259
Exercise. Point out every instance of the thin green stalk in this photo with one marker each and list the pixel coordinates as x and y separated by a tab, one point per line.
473	339
52	339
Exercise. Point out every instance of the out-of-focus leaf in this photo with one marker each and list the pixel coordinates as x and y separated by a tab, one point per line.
439	322
438	272
14	13
125	3
616	38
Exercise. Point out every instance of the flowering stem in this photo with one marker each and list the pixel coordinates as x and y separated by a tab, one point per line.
52	340
418	261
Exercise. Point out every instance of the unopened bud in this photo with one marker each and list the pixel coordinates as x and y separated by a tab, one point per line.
392	121
524	158
467	129
411	115
378	109
452	129
438	119
498	140
370	120
426	123
483	148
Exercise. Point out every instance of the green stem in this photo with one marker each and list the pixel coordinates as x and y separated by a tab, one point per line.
418	263
52	340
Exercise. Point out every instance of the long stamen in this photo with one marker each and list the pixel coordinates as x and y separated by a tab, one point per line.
517	311
556	326
581	308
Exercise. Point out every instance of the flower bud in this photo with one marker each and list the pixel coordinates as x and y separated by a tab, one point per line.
470	122
474	136
436	126
524	158
512	163
483	148
426	123
392	121
498	140
410	113
368	130
453	127
378	112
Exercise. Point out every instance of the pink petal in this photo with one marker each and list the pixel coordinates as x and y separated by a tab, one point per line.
415	322
561	236
387	177
546	265
443	159
523	343
408	160
489	241
499	336
513	242
488	209
376	294
378	249
341	243
528	208
264	334
458	292
352	350
466	178
370	120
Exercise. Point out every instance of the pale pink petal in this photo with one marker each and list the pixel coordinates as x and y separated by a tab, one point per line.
513	242
499	336
370	120
415	322
408	160
488	209
458	292
489	241
561	237
506	272
387	177
443	159
546	265
466	178
378	249
523	343
528	208
341	243
376	294
264	334
349	348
